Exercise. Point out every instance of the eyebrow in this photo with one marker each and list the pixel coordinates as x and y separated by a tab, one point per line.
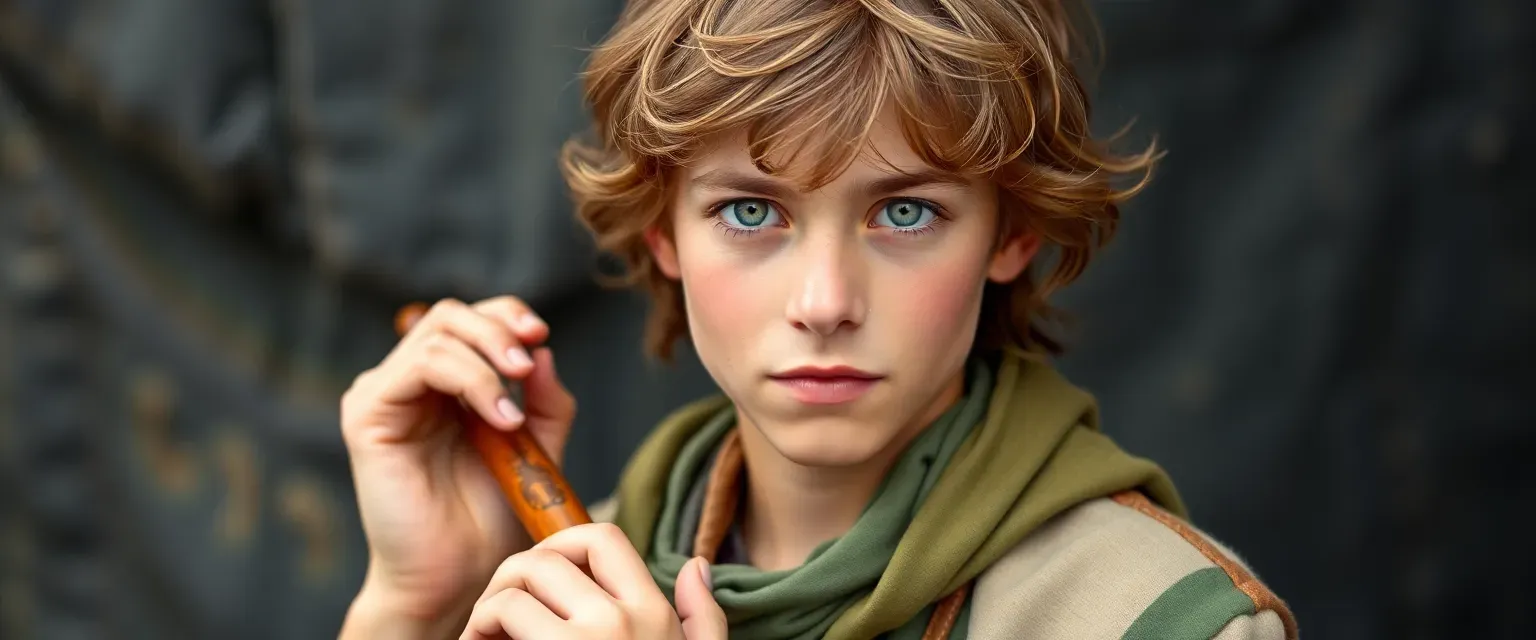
731	180
911	180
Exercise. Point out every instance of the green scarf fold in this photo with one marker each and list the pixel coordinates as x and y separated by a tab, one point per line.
1020	447
805	601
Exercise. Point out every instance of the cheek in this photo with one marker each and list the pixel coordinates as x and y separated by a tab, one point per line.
721	299
940	298
941	301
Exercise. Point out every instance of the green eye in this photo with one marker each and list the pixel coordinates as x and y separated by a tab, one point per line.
905	214
749	213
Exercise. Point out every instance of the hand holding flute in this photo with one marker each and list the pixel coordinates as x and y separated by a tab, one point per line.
437	521
531	481
452	478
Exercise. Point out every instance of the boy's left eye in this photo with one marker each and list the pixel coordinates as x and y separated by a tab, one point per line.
905	214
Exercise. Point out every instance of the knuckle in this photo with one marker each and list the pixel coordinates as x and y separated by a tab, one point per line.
508	564
511	308
543	557
609	530
445	305
436	344
609	618
607	533
362	378
420	361
511	566
357	392
538	560
488	605
359	382
495	605
422	368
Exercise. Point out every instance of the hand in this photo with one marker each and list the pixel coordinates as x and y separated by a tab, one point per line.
587	582
436	522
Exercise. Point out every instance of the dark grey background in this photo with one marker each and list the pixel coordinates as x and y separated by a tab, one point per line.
1319	318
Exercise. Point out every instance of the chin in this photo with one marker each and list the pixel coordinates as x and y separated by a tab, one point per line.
827	442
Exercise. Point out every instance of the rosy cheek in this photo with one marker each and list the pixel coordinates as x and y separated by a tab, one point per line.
938	300
721	298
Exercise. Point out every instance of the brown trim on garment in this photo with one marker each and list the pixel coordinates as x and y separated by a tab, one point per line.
945	614
721	496
1245	581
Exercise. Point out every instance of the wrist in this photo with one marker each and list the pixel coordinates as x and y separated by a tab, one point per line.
380	613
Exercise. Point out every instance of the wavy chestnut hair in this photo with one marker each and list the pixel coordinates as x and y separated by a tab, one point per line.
982	88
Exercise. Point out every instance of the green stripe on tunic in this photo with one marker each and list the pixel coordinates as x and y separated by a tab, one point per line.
1195	607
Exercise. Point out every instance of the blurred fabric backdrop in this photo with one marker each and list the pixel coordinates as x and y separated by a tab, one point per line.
1320	318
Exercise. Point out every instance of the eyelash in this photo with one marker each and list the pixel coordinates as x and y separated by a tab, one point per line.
940	216
734	232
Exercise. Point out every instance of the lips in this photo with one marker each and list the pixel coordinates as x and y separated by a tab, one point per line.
827	372
826	385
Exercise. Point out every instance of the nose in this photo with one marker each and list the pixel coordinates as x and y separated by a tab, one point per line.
829	295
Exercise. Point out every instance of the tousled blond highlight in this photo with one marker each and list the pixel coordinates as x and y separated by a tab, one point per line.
982	88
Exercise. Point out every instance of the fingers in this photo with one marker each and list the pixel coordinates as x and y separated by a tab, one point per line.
458	350
529	328
555	598
603	548
494	337
701	615
514	614
563	587
452	368
546	398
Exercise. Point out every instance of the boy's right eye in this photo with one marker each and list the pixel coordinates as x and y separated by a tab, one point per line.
749	214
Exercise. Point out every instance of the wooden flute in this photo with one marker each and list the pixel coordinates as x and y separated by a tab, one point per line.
539	494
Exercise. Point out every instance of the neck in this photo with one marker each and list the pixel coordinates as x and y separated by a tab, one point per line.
792	508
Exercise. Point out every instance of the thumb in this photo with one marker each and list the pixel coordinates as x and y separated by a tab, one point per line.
550	406
702	617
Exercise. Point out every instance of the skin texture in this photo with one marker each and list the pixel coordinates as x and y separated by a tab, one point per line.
871	271
862	272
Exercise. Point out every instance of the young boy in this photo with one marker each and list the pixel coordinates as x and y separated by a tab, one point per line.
847	206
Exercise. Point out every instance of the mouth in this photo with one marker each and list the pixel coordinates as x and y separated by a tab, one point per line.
826	385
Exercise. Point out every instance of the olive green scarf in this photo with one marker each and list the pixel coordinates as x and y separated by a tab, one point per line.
1021	446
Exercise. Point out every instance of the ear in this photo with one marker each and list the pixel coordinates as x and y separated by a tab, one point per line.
663	251
1010	259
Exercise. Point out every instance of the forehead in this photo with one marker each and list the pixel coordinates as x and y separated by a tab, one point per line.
883	151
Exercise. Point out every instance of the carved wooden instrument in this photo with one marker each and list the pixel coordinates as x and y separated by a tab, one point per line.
538	493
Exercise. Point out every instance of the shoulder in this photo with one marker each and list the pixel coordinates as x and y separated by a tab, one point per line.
1121	567
604	510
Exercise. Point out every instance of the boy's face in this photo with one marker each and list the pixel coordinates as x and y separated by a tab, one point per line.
838	320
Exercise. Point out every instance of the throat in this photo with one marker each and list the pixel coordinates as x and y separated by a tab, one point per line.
787	510
790	510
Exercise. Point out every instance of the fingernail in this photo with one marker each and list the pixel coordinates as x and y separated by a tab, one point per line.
529	323
518	358
509	411
704	572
